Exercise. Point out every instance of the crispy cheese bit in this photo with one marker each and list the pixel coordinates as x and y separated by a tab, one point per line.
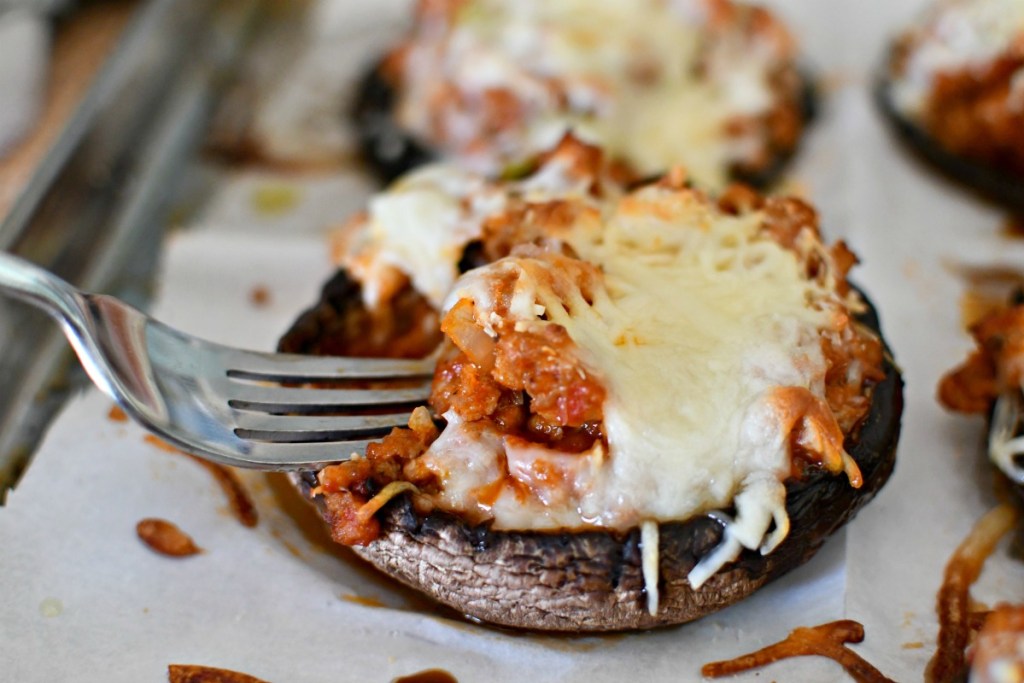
817	433
166	538
953	604
649	554
372	506
826	640
194	673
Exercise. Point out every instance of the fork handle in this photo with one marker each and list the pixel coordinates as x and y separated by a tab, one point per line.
40	288
69	306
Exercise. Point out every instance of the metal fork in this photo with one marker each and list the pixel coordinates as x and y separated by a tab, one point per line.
221	403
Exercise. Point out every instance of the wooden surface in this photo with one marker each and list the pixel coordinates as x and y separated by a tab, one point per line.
80	44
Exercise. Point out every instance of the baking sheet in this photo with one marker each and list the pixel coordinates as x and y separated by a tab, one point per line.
85	601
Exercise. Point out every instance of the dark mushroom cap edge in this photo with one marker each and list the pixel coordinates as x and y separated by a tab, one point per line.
990	183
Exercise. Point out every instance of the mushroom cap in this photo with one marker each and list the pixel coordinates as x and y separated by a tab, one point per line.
592	581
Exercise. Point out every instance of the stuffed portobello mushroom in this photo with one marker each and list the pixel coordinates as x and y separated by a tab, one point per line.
953	88
648	402
711	84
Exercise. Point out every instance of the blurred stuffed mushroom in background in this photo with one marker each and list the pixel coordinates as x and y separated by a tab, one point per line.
713	85
953	87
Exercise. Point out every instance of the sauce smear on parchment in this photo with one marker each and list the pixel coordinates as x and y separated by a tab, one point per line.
827	640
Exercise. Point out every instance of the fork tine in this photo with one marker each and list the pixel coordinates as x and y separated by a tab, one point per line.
296	368
289	399
344	426
289	456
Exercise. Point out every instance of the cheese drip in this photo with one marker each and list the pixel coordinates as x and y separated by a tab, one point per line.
1005	446
649	563
697	320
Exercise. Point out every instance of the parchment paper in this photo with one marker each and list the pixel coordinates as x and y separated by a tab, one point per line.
84	600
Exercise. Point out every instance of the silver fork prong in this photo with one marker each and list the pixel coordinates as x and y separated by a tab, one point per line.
267	455
344	426
299	369
271	398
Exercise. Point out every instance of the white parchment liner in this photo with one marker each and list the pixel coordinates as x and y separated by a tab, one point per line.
83	600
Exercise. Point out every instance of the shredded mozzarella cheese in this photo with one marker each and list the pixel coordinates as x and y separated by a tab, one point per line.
649	563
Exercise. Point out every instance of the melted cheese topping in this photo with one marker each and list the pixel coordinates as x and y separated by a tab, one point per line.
955	35
421	225
649	80
697	323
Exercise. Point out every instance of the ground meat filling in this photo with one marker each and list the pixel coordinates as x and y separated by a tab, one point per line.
349	488
530	384
532	387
